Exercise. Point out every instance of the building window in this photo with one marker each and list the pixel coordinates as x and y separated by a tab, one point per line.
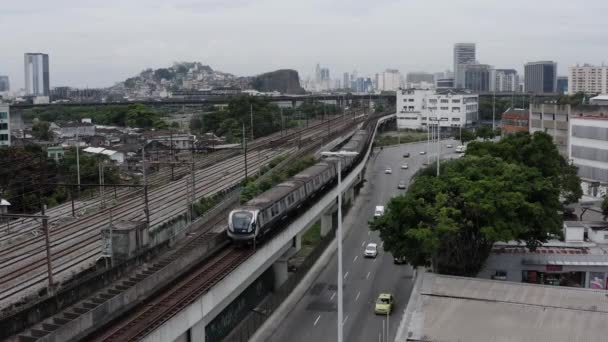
3	115
3	125
455	109
3	137
444	101
455	119
433	101
445	108
455	101
410	100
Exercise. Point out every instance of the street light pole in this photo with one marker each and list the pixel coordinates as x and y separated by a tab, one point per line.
340	278
339	236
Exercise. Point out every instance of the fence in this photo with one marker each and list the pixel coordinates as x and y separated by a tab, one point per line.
258	316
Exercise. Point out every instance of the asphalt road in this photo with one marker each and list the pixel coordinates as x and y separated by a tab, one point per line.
315	316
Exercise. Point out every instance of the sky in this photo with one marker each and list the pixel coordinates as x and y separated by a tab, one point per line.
95	43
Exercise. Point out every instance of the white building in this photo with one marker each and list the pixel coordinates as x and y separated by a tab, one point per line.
116	156
588	149
504	80
588	79
389	80
601	100
418	108
5	125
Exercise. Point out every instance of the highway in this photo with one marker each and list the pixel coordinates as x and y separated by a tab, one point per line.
314	318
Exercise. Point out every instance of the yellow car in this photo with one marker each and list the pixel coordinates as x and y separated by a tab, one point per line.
384	304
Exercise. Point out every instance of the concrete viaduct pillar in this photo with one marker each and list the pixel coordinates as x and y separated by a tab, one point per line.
327	223
279	268
197	332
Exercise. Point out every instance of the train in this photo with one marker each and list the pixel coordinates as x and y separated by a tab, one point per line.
264	213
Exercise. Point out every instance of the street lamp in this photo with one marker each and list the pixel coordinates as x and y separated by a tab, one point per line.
339	233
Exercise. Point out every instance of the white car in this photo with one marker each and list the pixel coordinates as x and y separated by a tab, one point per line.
449	146
379	211
404	166
371	250
388	170
422	152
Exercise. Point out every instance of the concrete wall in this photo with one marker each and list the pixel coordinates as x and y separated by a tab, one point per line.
208	306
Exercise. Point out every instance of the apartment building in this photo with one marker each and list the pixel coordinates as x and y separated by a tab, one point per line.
553	120
5	125
588	79
588	147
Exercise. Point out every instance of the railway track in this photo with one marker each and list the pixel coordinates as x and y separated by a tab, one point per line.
141	321
75	246
184	292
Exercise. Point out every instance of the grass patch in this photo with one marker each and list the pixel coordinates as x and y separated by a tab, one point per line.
393	139
312	236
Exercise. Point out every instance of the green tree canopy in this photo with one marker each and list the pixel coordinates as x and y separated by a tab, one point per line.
453	220
536	151
466	135
41	131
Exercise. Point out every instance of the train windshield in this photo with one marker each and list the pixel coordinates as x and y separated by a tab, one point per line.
241	219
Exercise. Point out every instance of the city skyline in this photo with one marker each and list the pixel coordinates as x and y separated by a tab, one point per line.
163	32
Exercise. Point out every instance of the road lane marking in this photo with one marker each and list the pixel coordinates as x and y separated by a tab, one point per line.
332	296
382	244
345	319
345	275
363	244
358	294
356	256
367	276
317	320
369	232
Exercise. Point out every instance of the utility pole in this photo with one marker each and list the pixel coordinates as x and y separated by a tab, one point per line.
245	149
493	110
282	121
78	161
47	241
172	156
438	149
101	182
143	163
251	119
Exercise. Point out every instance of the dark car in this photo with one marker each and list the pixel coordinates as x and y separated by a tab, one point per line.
399	260
406	155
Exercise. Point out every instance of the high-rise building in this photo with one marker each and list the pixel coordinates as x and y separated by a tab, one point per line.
540	77
346	80
562	84
5	125
5	85
389	80
464	53
37	74
476	77
419	80
504	80
588	79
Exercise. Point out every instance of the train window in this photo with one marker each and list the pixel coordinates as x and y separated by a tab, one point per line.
275	209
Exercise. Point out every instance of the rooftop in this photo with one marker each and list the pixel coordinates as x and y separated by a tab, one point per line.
447	308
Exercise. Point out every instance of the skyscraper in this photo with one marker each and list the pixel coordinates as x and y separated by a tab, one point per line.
346	81
37	74
464	53
504	80
4	84
540	77
476	77
5	125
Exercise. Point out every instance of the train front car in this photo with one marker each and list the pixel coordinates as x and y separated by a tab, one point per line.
242	224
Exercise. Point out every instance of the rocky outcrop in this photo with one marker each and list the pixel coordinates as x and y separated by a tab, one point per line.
285	81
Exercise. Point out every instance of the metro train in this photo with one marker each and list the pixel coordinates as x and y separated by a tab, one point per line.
263	213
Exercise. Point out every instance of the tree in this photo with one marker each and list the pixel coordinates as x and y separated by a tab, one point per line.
485	132
41	131
536	151
466	136
142	116
452	221
605	207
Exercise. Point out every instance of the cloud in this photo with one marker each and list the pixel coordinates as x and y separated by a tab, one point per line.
96	43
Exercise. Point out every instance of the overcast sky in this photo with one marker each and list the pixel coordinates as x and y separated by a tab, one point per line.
99	42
